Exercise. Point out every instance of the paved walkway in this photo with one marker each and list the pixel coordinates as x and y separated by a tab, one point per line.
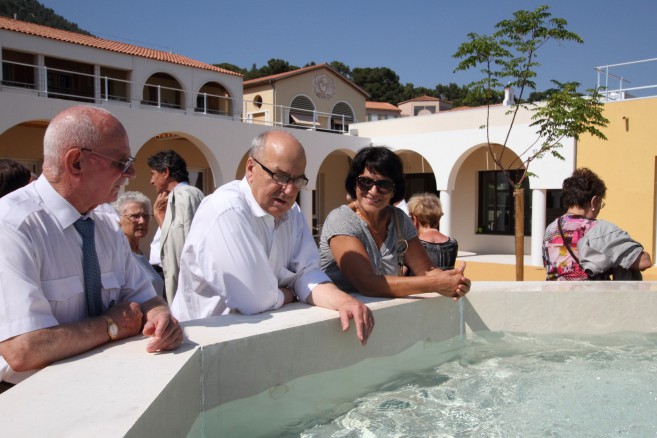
502	267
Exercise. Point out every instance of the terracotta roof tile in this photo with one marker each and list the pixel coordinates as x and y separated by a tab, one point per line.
277	77
381	106
423	99
99	43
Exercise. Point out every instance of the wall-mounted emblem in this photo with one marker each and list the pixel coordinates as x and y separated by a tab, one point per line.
323	86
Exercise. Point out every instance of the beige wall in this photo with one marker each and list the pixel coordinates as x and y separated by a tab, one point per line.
627	162
287	89
266	92
24	142
414	162
331	177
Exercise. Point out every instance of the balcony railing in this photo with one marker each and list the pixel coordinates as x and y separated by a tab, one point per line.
48	82
614	84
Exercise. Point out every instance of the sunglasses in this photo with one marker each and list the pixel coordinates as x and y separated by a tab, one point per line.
383	186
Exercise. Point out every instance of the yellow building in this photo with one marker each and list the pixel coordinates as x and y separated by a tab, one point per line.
627	162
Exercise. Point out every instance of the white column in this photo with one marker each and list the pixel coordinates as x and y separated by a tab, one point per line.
446	221
307	206
538	225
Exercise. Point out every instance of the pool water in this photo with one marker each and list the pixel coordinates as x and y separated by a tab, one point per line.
491	385
513	386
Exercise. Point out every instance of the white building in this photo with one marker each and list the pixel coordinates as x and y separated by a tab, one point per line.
168	101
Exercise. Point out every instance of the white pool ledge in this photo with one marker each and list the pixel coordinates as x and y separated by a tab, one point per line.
120	390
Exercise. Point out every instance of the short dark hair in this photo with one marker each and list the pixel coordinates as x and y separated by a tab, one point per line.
581	187
170	160
381	160
13	175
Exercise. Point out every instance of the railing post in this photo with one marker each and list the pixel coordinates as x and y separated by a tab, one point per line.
205	103
106	89
45	81
159	98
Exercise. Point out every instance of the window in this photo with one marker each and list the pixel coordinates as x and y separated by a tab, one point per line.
17	70
302	112
423	110
496	208
553	205
201	179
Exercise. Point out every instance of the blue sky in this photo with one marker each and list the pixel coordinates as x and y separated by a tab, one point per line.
415	38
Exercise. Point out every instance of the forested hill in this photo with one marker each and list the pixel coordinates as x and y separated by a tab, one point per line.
34	12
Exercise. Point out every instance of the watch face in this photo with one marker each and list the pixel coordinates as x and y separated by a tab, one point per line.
113	330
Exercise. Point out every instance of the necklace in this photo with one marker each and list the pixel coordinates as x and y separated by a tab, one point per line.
375	230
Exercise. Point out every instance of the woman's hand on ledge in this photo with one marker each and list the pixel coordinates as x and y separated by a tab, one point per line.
452	283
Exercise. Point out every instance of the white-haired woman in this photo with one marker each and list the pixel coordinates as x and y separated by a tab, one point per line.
134	210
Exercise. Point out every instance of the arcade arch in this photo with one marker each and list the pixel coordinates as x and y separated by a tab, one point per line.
24	143
213	98
200	172
163	90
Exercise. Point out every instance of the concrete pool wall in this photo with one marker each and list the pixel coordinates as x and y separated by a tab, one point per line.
120	390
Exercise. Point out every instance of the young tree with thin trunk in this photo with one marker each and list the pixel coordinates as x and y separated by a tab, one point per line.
508	57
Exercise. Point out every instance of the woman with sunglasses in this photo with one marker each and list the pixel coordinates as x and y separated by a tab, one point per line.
365	245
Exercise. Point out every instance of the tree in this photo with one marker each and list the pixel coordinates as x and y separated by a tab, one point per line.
341	68
508	57
381	83
34	12
232	67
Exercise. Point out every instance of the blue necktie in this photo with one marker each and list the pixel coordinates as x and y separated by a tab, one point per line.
90	267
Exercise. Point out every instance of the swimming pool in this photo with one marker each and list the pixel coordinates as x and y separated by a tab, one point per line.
119	390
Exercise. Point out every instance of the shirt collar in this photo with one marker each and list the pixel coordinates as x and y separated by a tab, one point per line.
62	210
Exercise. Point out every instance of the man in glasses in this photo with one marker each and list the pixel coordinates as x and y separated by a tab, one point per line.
175	206
250	249
67	280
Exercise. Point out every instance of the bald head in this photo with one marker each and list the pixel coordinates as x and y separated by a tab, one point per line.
277	142
275	154
74	128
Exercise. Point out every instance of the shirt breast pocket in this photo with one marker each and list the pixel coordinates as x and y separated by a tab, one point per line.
65	296
112	283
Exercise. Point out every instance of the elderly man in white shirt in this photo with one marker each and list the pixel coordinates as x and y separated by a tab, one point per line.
250	249
46	311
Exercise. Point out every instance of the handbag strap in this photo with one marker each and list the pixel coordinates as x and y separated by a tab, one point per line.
566	243
402	244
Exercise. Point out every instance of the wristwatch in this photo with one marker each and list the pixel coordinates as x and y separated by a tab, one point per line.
112	328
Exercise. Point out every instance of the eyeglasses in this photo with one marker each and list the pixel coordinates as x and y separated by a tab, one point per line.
384	186
123	165
136	216
283	179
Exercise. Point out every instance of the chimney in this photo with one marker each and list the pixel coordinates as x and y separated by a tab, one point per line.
508	96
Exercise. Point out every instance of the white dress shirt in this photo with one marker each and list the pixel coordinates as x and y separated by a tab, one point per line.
41	276
236	257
